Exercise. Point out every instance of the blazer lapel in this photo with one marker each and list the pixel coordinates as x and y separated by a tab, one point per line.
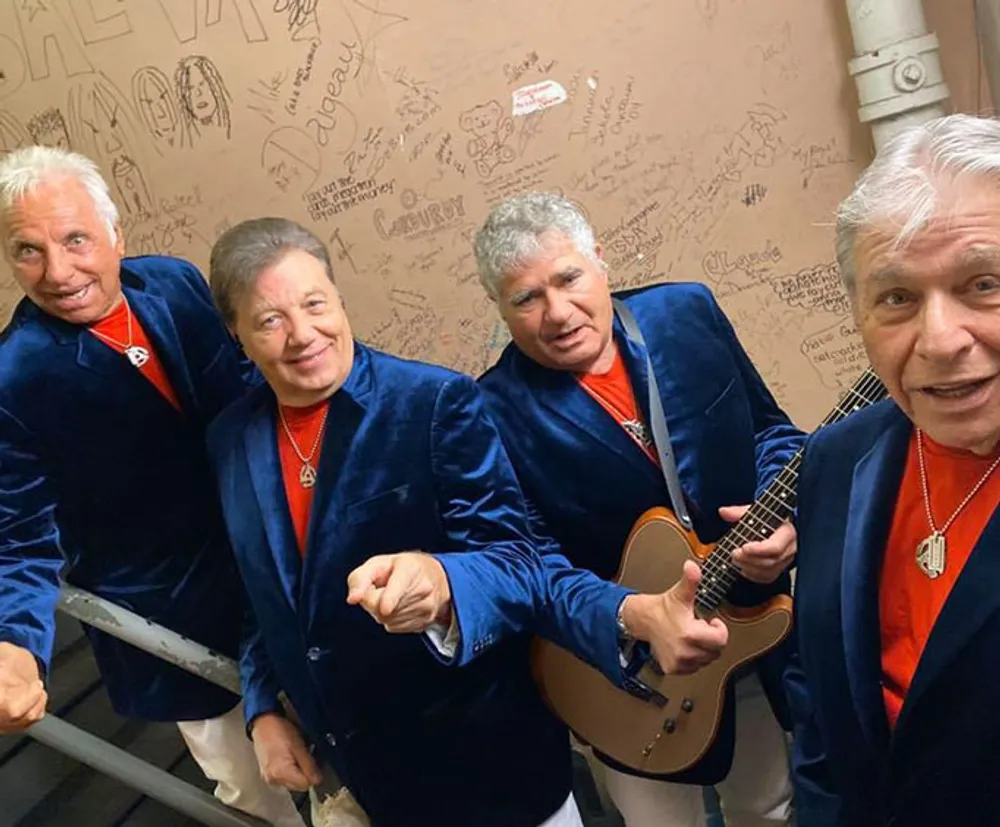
261	446
153	313
561	394
873	496
973	599
347	410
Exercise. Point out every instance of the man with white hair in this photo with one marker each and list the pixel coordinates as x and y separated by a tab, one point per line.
570	399
110	371
898	605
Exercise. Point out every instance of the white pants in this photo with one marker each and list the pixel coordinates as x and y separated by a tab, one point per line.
225	754
566	816
756	793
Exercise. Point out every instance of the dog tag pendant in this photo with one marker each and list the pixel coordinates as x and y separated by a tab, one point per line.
137	355
931	555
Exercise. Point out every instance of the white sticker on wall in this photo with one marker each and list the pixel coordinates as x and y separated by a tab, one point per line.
537	96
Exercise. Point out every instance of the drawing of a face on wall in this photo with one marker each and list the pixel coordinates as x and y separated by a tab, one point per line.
12	134
102	125
101	122
154	100
203	96
48	128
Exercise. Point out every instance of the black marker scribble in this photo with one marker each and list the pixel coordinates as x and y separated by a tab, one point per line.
49	128
157	107
12	134
130	186
291	159
204	99
490	130
303	23
12	68
45	32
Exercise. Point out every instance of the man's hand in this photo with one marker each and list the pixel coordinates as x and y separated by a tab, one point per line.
764	561
405	592
282	755
682	642
22	693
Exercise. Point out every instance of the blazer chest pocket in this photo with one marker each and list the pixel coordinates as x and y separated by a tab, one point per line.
387	505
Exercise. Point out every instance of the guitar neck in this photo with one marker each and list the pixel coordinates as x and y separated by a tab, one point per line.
775	505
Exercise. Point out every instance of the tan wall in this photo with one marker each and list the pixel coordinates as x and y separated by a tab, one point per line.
707	139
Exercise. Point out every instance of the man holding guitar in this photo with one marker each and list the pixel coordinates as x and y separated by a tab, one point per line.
898	609
570	399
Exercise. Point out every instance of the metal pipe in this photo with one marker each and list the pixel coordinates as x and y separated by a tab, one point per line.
897	68
988	23
149	780
151	637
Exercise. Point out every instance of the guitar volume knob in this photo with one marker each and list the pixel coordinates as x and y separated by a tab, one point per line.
687	704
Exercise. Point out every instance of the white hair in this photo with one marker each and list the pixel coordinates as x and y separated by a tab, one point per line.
513	230
24	170
898	192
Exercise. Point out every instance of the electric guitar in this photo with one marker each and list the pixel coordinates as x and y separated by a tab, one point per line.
666	723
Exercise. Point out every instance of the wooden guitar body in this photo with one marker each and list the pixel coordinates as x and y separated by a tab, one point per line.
650	735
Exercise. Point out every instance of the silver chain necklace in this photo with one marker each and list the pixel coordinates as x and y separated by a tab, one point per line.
932	550
136	354
307	474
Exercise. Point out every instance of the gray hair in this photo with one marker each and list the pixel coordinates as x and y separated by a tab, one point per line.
24	170
513	231
899	190
245	251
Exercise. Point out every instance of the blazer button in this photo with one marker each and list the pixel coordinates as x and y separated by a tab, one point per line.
331	739
314	653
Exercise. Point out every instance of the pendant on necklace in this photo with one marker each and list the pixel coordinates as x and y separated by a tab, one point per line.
931	555
137	355
307	476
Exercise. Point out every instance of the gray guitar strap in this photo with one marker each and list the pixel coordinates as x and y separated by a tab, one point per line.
661	436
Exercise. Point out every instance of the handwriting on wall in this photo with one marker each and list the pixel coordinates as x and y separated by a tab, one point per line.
390	130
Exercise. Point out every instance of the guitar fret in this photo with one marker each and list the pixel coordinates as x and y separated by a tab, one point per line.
776	503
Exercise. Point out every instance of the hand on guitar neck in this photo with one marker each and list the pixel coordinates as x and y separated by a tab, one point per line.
681	642
763	561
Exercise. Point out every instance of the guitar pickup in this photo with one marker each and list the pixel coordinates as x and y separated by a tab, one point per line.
644	692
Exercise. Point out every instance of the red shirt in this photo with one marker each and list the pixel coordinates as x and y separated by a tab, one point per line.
115	327
909	601
613	391
305	425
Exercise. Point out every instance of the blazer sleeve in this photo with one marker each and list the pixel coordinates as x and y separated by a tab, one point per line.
499	582
30	556
257	679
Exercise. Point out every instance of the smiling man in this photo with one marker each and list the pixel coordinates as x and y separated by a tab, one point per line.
110	371
359	486
898	605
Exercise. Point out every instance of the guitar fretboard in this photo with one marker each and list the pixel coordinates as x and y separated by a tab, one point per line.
775	505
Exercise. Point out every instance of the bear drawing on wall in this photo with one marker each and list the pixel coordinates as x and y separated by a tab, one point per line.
490	130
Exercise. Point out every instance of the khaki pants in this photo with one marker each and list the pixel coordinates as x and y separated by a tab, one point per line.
756	793
221	748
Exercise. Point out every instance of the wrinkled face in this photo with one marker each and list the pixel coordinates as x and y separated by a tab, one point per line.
558	308
61	253
292	324
929	314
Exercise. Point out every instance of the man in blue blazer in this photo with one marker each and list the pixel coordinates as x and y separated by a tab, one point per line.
110	371
352	464
569	397
897	607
